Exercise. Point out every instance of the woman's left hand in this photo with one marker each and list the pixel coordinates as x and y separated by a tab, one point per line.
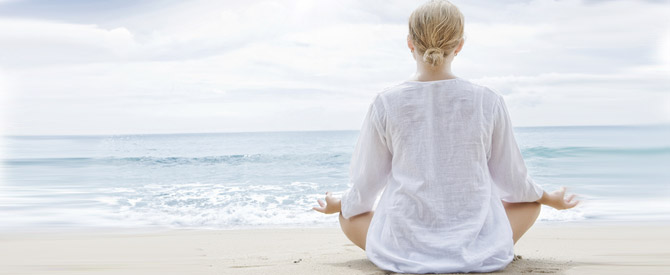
331	206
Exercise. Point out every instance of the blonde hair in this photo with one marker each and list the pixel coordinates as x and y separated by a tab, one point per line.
436	28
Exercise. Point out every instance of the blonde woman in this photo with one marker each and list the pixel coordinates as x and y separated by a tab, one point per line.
457	195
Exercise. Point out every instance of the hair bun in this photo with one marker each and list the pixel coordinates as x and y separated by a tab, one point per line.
433	56
436	29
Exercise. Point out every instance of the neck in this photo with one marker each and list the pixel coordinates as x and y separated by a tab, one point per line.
426	72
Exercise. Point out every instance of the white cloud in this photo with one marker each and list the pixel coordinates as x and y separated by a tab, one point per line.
584	99
310	65
34	43
664	48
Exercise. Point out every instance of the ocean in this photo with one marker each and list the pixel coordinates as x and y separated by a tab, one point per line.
272	179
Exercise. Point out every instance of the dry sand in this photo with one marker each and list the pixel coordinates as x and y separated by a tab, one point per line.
562	249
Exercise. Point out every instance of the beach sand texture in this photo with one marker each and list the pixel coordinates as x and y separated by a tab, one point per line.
557	249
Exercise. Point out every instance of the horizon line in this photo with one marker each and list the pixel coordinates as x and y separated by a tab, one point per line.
296	131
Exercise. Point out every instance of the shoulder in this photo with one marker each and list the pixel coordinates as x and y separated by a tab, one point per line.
399	92
393	94
492	98
392	90
381	98
485	90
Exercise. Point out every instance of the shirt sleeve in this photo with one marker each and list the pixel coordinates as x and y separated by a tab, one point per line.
506	164
370	165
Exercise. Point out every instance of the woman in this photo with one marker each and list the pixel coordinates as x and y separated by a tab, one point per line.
457	194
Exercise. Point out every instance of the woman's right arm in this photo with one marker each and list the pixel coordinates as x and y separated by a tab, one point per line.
370	164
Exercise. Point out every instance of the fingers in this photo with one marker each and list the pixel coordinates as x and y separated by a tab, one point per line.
570	201
561	201
571	204
323	205
319	209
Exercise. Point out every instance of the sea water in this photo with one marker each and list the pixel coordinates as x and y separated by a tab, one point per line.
273	179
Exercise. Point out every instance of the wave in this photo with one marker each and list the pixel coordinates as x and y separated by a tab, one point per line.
575	151
316	159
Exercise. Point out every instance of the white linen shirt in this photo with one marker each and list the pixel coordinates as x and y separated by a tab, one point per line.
444	154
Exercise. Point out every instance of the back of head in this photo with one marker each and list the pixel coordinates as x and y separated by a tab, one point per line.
436	28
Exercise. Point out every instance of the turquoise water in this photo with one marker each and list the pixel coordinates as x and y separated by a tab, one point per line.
247	180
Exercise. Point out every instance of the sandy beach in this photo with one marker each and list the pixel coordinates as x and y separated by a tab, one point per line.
560	249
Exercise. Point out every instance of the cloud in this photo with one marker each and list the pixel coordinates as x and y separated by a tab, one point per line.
32	43
585	99
315	65
565	36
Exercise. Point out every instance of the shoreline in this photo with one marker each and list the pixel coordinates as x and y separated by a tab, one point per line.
92	229
569	248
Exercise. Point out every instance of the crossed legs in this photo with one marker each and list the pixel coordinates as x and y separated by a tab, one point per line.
521	217
356	227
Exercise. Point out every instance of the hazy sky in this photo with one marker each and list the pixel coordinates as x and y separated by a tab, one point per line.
114	67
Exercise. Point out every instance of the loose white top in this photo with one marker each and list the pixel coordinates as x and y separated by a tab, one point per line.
446	155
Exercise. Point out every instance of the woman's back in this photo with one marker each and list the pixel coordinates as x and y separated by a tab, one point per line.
439	133
441	208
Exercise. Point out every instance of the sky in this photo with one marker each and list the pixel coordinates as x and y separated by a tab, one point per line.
136	67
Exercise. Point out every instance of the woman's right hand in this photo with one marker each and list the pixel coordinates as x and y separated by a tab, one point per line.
558	200
332	205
